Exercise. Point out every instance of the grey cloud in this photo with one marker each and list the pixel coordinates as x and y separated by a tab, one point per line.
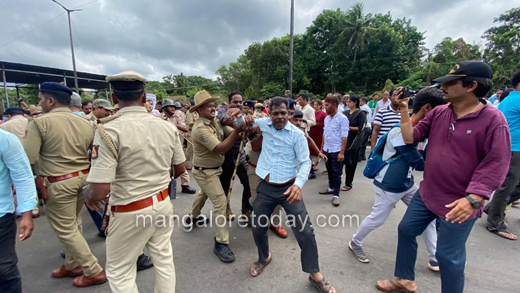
196	37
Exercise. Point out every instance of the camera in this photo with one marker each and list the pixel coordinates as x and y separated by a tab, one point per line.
407	92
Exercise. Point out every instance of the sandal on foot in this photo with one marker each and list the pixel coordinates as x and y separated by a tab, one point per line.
504	234
323	286
259	267
346	188
392	286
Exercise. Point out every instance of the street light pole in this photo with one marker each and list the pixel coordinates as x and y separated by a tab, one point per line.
291	48
71	43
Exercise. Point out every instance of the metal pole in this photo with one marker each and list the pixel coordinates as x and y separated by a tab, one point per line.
291	48
18	96
73	58
5	90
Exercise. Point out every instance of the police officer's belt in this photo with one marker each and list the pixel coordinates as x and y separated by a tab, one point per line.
204	168
141	204
53	179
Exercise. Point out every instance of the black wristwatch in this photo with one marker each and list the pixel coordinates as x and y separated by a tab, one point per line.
474	203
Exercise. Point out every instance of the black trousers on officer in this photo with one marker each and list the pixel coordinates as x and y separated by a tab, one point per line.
269	196
225	180
10	280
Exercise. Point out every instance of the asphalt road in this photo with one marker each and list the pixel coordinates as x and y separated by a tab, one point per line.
492	261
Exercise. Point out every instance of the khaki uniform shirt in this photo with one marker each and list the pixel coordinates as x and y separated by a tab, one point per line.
206	135
61	140
147	146
259	115
191	118
92	119
16	126
253	156
179	118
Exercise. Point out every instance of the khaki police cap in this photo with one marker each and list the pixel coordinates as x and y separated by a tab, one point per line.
34	109
101	103
202	98
259	105
126	76
127	81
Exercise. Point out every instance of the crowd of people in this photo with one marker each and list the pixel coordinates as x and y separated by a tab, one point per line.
121	159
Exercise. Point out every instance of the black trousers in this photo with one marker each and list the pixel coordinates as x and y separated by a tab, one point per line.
504	195
225	180
350	162
334	171
10	280
363	150
269	196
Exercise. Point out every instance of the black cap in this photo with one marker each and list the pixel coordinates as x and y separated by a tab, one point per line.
298	114
249	103
14	111
291	103
469	68
54	87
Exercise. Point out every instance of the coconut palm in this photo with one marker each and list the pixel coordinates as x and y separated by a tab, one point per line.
357	26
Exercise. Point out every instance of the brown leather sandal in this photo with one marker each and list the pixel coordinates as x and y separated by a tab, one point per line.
392	286
259	267
323	286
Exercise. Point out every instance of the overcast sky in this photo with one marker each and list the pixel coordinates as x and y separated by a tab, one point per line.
195	37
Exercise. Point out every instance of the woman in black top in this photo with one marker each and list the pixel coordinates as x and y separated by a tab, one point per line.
357	121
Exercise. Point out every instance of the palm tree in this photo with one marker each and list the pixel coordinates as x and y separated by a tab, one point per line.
356	28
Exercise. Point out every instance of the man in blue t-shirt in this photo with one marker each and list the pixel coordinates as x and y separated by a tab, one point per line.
395	181
510	190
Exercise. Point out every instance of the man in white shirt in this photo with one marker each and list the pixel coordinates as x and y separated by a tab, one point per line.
382	104
343	103
308	112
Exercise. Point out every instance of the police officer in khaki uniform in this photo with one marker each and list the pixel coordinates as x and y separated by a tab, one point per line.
259	111
133	156
100	109
210	142
16	123
191	117
168	107
60	141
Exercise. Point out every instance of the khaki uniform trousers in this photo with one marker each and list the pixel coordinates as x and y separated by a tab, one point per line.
254	181
65	201
128	233
189	149
185	178
210	187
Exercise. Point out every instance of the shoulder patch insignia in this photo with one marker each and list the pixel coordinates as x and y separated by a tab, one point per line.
95	152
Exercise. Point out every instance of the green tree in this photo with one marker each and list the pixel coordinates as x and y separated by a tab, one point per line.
357	26
503	46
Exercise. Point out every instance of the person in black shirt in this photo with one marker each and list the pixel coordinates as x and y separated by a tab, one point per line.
357	122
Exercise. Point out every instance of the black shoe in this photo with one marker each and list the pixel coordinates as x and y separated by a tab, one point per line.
312	176
223	252
187	189
144	262
200	220
62	253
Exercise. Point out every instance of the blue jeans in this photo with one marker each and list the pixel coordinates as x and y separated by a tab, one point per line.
98	219
451	245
